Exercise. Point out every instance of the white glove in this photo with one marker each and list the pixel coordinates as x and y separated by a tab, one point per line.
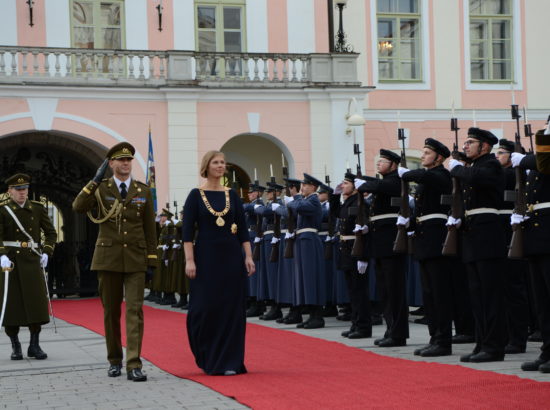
274	240
338	190
516	158
5	262
454	163
547	130
362	267
328	238
516	219
288	199
274	206
257	206
168	222
358	182
166	262
402	170
289	235
452	221
176	246
257	239
357	228
44	260
365	229
402	221
176	221
165	247
410	233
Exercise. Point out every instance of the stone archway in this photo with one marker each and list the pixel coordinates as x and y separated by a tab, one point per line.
60	164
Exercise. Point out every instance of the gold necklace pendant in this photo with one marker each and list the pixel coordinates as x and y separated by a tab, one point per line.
220	221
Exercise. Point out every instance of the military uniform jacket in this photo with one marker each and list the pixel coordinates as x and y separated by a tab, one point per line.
346	214
383	231
127	243
27	298
429	235
509	185
536	238
483	187
309	211
250	217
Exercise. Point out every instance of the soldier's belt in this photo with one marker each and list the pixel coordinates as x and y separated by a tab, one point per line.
431	216
160	246
21	244
505	211
268	232
478	211
347	237
383	216
304	230
323	233
532	207
284	230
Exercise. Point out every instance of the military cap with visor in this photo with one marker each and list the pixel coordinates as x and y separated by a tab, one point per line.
18	181
252	187
311	180
167	213
437	147
273	186
292	182
121	150
323	189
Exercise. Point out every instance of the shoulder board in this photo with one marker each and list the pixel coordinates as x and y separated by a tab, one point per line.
4	202
142	183
37	203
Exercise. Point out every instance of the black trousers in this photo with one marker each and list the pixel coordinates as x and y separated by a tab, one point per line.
437	293
487	298
391	274
358	289
539	267
13	331
463	316
516	304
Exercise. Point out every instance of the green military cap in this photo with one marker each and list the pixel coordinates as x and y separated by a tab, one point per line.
18	181
166	212
121	150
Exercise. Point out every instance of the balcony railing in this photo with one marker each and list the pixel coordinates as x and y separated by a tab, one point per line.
66	66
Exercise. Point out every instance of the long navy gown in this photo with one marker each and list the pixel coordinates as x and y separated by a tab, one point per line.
216	321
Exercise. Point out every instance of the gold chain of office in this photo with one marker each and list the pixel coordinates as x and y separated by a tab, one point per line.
219	221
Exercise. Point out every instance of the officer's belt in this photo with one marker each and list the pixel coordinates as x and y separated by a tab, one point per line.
383	216
160	246
284	230
431	216
323	233
347	237
505	211
304	230
478	211
268	232
531	208
21	244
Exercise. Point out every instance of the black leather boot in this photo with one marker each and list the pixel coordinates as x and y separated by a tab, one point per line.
16	353
34	348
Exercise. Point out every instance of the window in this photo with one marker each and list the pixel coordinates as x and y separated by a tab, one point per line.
97	24
220	25
399	45
491	40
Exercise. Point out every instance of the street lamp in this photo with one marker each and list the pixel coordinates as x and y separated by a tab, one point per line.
341	46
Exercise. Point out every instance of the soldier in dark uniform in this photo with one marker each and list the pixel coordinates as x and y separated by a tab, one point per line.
309	271
324	193
353	268
483	244
178	258
27	297
390	267
536	240
542	140
515	270
167	265
433	180
255	192
125	252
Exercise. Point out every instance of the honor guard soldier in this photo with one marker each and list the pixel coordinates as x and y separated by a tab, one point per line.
354	268
125	252
23	258
309	272
515	270
179	264
390	267
326	234
168	238
542	140
483	243
433	180
536	240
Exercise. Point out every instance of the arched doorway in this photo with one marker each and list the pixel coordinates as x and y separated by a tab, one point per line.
255	156
60	164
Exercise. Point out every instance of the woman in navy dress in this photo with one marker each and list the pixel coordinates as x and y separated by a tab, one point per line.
218	258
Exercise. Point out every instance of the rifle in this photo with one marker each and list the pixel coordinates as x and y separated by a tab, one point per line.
401	243
259	233
527	130
359	242
328	245
450	246
290	223
515	250
274	256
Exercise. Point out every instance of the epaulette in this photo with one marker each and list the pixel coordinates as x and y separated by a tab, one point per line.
37	202
143	184
4	202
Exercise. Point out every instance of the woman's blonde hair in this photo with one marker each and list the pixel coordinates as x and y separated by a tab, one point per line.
206	161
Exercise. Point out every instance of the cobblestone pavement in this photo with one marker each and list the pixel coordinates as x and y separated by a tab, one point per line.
74	375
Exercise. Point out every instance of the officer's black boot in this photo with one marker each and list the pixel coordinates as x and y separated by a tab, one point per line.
168	299
34	348
16	353
185	300
181	302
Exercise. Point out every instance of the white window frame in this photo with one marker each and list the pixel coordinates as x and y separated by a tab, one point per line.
517	52
425	81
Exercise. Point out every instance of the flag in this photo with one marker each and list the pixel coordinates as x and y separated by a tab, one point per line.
150	178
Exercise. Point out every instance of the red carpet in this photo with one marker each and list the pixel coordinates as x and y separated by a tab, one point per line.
291	371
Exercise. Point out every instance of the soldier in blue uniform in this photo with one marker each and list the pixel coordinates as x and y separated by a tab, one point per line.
324	194
390	267
255	193
483	244
308	253
429	235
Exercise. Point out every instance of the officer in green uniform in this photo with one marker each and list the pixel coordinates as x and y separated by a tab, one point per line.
124	252
27	298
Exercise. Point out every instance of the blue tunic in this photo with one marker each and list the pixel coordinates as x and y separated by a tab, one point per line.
329	263
268	271
251	222
216	321
285	278
310	275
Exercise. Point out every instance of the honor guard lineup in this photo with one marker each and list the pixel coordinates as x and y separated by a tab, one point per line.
476	228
